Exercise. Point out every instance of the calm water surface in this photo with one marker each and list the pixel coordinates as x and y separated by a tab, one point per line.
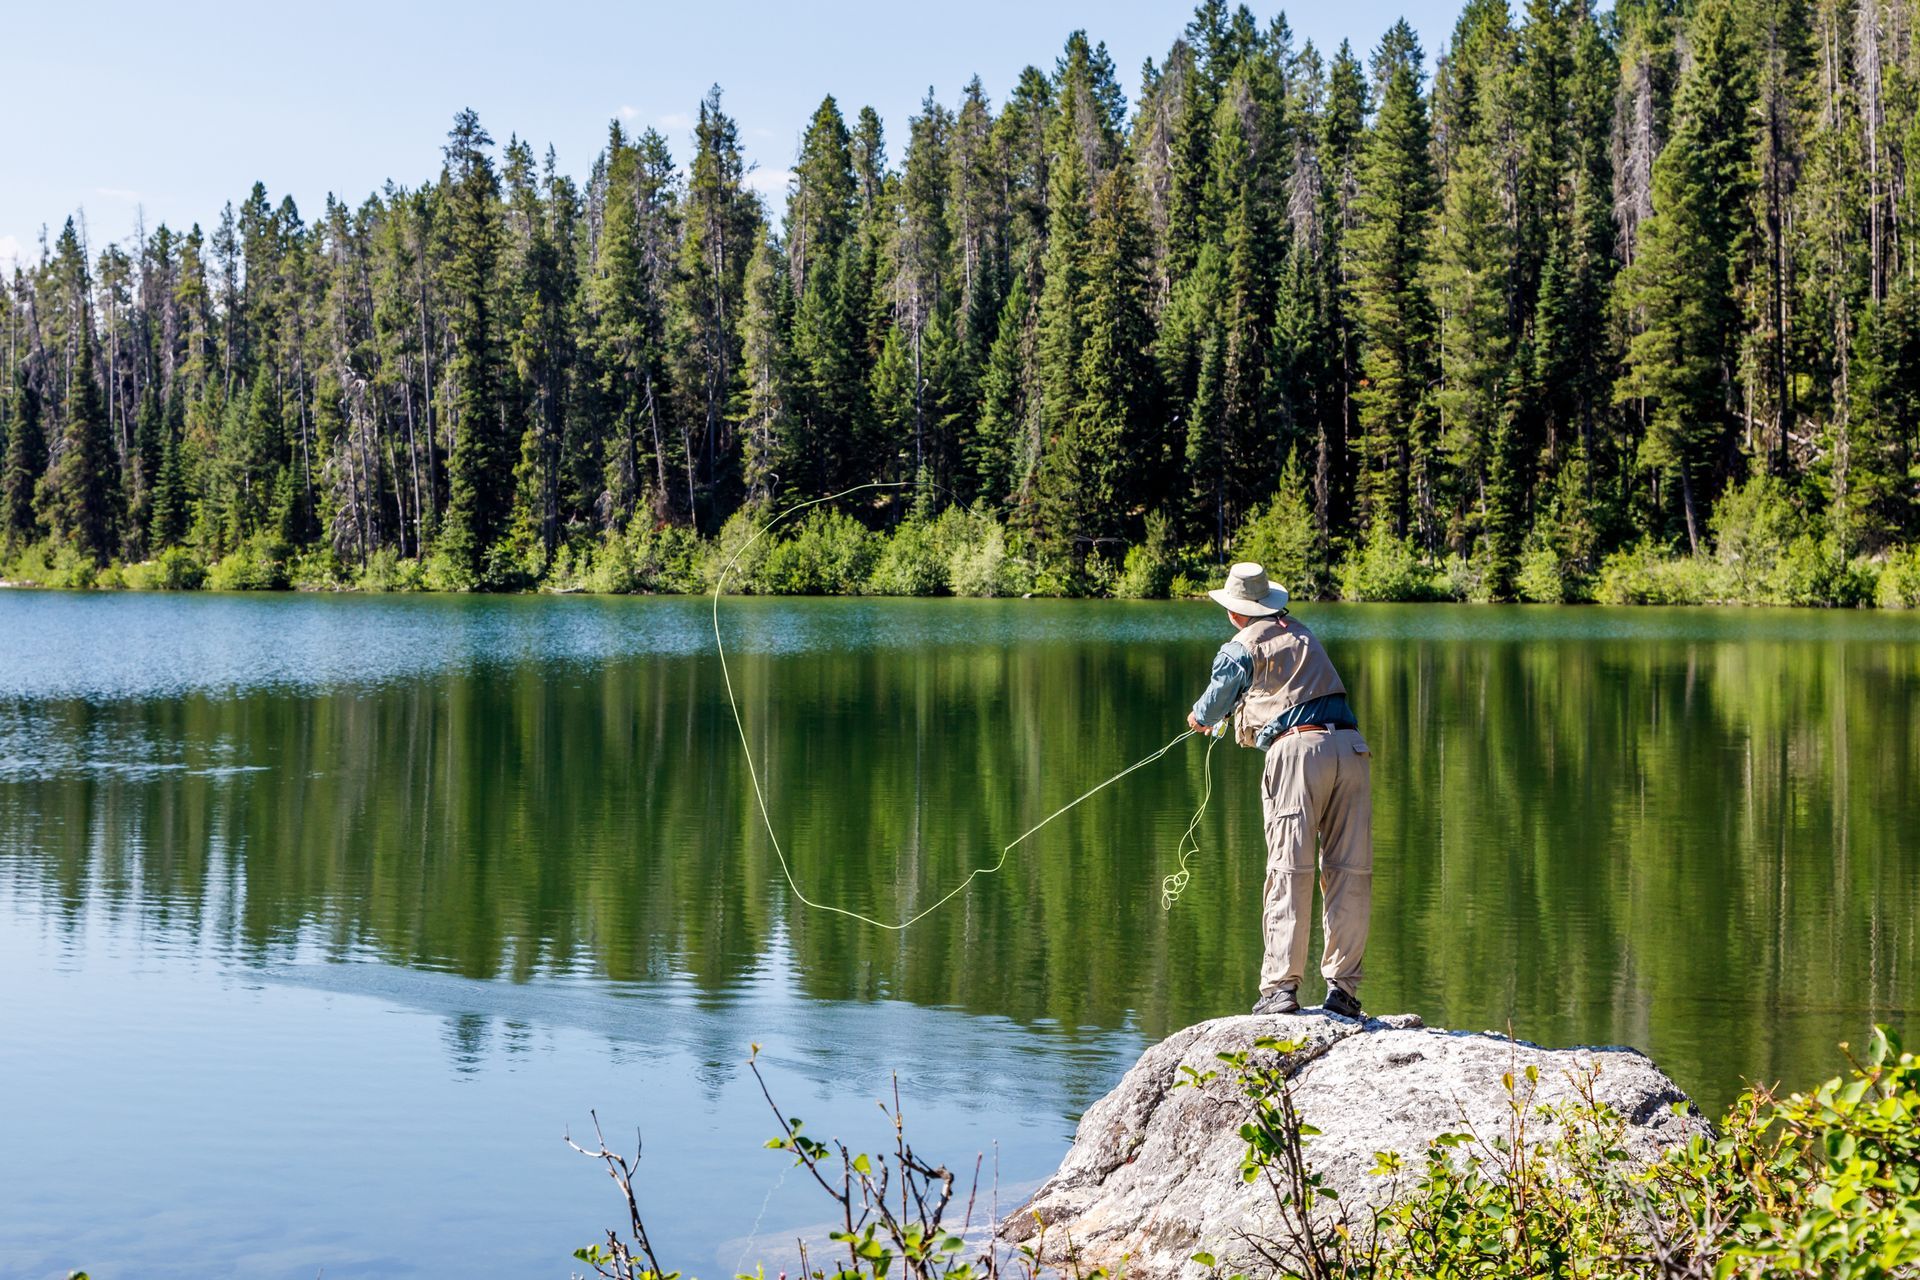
321	920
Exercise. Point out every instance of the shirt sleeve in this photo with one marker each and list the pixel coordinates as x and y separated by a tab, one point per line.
1232	672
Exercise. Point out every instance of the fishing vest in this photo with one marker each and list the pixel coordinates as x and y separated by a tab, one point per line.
1289	667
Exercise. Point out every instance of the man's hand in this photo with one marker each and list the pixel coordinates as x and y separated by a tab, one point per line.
1193	723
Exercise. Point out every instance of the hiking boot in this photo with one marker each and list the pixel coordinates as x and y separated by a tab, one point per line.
1281	1001
1342	1004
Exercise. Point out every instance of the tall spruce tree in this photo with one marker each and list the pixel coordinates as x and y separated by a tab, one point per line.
25	463
1683	286
84	505
480	472
720	229
1393	208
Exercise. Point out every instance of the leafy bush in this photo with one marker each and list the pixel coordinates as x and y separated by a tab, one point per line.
1541	579
1644	574
49	563
1466	578
985	566
827	554
1185	586
1753	525
1818	1184
914	561
1150	567
1283	539
733	559
316	569
1815	571
1899	586
664	557
175	569
1385	568
258	564
385	570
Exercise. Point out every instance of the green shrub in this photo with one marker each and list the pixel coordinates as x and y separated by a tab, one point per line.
986	567
1753	525
1899	586
111	578
1150	567
386	570
1282	537
316	569
1465	578
665	557
828	553
175	569
1185	586
608	567
441	572
1818	1184
1385	568
258	564
1815	571
1644	574
1541	579
70	568
914	561
732	561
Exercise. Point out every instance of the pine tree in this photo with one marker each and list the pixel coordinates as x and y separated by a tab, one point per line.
1097	472
167	524
921	265
1061	331
630	295
829	394
1393	208
761	406
480	473
25	464
1683	284
997	452
720	229
84	491
1474	274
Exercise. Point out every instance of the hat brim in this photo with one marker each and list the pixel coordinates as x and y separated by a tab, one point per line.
1265	607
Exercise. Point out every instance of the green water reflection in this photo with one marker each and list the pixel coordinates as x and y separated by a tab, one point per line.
1692	832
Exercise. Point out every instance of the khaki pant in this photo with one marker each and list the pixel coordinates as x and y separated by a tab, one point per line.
1317	790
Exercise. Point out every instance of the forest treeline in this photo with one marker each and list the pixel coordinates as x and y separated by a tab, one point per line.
1617	303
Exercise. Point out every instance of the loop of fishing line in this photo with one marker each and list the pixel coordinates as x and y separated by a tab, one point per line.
1171	887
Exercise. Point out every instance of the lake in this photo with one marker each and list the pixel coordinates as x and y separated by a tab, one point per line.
323	919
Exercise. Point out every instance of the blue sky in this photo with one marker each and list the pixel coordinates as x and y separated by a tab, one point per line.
175	108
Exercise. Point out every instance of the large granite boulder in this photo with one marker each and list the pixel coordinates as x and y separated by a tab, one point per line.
1154	1172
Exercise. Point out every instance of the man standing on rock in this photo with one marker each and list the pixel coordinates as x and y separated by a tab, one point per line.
1316	789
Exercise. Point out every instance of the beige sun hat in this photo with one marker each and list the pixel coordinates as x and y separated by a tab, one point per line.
1248	593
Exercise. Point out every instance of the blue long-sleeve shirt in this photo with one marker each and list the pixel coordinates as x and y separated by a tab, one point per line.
1233	672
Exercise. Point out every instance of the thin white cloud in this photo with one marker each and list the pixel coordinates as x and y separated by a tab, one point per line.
629	113
769	182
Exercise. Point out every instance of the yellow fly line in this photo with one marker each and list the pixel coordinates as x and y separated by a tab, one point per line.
1171	886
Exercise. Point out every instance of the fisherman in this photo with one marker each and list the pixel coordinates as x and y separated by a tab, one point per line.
1316	789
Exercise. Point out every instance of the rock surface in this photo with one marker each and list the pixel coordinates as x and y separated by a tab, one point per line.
1154	1172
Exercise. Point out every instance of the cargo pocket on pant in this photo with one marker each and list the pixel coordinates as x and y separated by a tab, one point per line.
1287	841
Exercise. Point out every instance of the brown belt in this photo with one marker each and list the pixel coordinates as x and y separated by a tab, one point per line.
1306	728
